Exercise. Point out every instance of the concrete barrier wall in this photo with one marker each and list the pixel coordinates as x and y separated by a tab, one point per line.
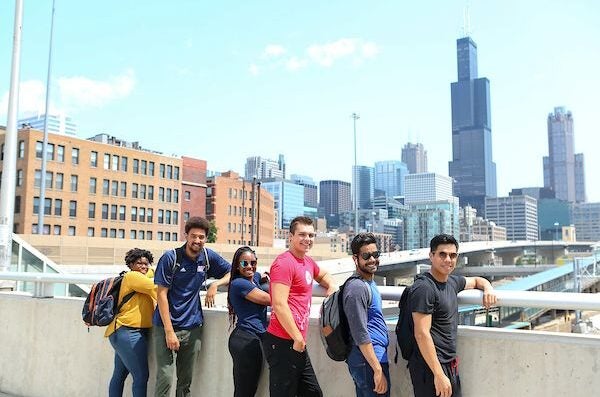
46	351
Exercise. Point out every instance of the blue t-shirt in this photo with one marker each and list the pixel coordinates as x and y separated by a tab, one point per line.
251	317
184	288
365	320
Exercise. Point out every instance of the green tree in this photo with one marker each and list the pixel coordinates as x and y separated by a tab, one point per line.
212	232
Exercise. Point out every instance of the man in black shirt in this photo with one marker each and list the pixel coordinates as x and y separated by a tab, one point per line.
434	365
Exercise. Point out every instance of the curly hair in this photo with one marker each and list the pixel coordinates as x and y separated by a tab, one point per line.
136	253
235	273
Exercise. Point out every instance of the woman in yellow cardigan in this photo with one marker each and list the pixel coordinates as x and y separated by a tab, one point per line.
128	333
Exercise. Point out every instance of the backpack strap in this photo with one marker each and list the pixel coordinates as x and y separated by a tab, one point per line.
178	260
370	293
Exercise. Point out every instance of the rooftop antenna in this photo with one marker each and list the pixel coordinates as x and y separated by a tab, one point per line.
466	22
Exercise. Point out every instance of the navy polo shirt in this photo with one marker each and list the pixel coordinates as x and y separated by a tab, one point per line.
184	288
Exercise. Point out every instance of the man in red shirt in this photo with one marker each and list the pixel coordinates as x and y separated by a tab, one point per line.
292	274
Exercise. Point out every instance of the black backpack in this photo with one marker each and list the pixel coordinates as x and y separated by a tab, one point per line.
335	332
405	328
100	307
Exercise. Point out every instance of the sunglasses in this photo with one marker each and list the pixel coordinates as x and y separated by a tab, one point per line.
248	263
444	255
367	255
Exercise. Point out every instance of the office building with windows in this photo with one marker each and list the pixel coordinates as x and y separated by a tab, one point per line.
563	168
414	156
363	185
261	168
334	200
57	124
389	177
586	218
518	214
472	167
426	187
97	188
243	213
288	200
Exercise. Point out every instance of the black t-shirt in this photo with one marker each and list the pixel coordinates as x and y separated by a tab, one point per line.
439	300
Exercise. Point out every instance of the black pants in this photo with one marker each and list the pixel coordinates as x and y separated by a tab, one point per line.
422	377
246	352
290	373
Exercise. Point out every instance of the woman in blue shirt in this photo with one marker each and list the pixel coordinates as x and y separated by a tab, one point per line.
247	304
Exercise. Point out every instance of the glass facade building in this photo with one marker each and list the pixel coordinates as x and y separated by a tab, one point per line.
472	167
288	198
389	177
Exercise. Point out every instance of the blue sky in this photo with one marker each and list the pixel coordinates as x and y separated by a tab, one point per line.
229	79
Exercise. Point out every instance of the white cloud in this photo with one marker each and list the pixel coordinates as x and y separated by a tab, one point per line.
274	51
84	92
295	63
352	50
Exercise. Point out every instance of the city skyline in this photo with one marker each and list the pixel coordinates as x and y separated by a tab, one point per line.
206	73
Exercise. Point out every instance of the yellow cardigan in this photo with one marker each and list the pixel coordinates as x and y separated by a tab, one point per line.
137	311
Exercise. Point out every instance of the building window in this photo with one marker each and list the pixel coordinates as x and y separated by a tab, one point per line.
104	212
176	173
187	195
186	216
124	163
113	233
74	180
175	195
149	215
59	182
39	147
161	170
115	163
47	206
36	205
174	236
107	161
92	210
122	212
167	236
168	198
133	234
142	214
58	207
93	185
136	166
150	192
169	171
161	214
159	236
56	230
161	194
49	177
134	214
74	156
94	159
113	212
148	235
123	189
175	217
21	149
72	209
60	153
168	217
151	168
121	233
105	186
71	231
17	204
143	192
49	153
19	178
144	167
104	232
134	190
90	232
37	178
141	234
114	188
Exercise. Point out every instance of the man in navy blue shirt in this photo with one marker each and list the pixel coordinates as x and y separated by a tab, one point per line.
178	316
367	361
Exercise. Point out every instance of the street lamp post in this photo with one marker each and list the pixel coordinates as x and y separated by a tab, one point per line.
355	117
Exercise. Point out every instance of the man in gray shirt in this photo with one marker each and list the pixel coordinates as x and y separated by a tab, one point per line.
367	361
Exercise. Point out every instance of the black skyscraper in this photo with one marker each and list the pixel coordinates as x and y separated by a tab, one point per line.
472	167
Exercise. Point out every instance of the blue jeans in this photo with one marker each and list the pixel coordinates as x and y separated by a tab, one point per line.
362	375
131	357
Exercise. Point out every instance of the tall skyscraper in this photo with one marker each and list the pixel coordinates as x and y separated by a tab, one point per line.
414	156
57	124
363	182
472	167
334	199
261	168
563	169
389	177
310	189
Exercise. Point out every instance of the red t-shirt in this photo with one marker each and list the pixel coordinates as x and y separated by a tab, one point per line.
298	274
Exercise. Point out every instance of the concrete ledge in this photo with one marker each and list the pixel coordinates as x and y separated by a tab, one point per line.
46	351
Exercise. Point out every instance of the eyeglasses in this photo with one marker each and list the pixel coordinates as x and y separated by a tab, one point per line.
248	263
367	255
444	255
